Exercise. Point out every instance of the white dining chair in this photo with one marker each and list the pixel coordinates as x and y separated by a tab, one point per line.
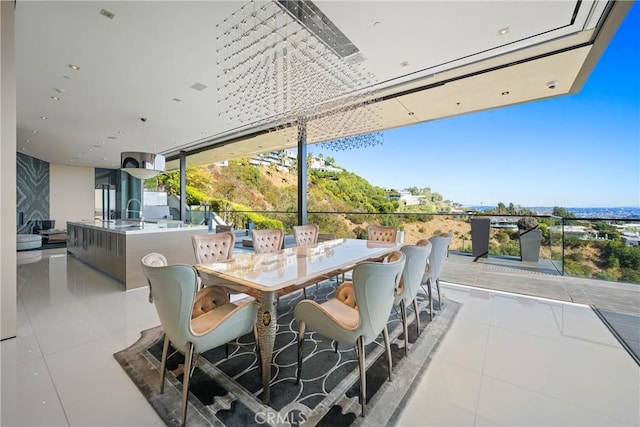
375	285
439	252
173	289
415	266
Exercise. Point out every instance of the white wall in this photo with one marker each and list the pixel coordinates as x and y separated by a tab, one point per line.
71	193
8	301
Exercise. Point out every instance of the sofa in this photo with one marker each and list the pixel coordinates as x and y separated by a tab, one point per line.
28	241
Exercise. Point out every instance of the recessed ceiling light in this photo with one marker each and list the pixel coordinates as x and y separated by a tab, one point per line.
27	140
404	64
112	137
71	160
74	67
503	31
43	117
198	86
90	149
97	145
102	142
411	113
506	92
66	77
35	131
60	90
104	158
121	132
177	99
24	149
107	14
55	98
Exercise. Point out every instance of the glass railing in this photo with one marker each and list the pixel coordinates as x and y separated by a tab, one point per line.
602	248
594	248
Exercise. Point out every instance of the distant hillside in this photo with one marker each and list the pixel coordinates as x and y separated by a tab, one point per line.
244	186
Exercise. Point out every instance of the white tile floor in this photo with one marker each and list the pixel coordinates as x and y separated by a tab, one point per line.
513	360
507	360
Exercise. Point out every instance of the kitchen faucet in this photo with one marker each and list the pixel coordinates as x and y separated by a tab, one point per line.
139	212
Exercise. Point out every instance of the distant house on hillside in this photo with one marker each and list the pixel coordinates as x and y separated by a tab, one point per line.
318	163
631	239
406	197
283	160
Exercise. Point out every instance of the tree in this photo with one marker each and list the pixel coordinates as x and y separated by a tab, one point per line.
413	190
562	212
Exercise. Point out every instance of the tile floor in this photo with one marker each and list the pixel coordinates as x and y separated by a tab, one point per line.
507	359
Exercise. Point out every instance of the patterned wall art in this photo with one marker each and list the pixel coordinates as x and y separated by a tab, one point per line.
32	191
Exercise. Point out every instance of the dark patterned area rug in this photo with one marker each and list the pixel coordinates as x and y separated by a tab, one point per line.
226	391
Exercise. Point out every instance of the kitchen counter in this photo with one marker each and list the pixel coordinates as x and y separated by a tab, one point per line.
131	226
116	247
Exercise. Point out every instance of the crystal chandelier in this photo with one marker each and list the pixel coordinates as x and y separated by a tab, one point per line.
283	63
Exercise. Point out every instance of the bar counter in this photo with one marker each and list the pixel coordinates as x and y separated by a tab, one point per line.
116	247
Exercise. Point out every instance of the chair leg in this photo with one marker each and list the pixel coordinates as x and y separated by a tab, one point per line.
405	328
186	376
416	310
430	299
387	345
301	329
304	292
226	349
439	298
163	362
335	346
363	373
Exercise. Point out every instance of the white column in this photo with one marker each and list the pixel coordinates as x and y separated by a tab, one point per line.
8	302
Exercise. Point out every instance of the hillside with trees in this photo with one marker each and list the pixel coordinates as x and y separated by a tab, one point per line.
234	190
343	203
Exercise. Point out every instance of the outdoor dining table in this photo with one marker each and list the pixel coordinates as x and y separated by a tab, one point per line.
267	276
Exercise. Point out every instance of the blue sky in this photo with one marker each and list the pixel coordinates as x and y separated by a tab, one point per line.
580	150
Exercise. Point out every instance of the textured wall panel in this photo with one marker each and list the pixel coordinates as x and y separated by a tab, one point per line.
32	190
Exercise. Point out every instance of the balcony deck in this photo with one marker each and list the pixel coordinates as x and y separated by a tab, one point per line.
618	304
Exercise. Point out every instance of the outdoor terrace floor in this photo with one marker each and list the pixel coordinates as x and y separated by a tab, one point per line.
618	303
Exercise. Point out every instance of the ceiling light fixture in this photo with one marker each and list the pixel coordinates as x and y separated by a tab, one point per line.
294	44
142	165
74	67
506	92
503	31
43	117
55	98
107	14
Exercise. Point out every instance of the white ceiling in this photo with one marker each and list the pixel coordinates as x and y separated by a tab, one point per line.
151	53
